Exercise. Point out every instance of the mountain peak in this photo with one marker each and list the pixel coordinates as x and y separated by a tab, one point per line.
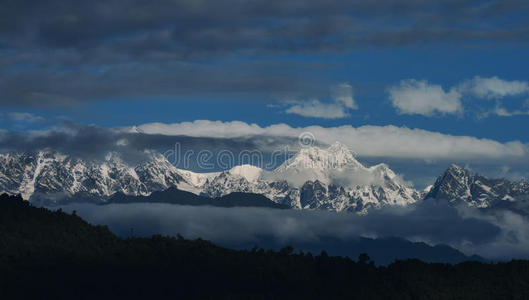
455	184
457	171
455	167
383	170
460	184
337	155
338	147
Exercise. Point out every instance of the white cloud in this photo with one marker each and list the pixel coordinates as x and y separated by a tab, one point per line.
502	112
368	141
419	97
25	117
317	109
493	87
343	101
343	93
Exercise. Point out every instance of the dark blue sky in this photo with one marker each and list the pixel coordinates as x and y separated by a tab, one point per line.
369	71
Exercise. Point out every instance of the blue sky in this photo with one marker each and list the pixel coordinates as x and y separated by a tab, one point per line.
370	72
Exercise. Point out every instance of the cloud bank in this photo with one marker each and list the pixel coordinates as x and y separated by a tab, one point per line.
500	237
369	141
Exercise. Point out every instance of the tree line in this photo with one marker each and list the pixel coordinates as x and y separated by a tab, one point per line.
54	255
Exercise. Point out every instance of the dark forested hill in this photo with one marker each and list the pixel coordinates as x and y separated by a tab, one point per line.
176	196
54	255
383	251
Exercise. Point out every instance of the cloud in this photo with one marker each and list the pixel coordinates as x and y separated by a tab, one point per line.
493	87
84	50
503	112
317	109
25	117
369	141
497	236
513	240
94	143
211	27
47	87
342	95
419	97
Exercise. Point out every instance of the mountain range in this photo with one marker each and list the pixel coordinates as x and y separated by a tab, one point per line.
314	178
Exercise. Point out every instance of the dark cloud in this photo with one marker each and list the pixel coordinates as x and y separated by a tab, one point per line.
56	53
94	143
209	27
44	87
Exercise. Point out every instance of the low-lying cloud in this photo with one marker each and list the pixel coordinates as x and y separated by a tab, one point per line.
500	236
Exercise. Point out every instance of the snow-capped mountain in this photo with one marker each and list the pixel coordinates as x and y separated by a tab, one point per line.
457	184
314	178
317	178
52	177
314	163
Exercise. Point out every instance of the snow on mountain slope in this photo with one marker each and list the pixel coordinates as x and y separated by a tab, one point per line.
318	178
157	174
51	177
197	179
457	184
248	172
315	178
314	163
194	182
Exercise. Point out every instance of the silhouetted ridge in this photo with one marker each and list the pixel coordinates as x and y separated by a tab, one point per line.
176	196
383	251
